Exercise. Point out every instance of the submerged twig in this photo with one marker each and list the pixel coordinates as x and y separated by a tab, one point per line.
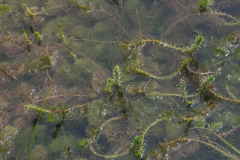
198	72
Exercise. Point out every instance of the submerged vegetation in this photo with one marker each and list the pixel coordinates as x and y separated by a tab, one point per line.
114	79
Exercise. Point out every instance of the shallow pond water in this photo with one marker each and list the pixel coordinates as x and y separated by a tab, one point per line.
119	79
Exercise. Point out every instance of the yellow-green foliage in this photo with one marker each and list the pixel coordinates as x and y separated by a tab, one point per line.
28	10
4	9
60	32
26	37
36	65
38	35
116	80
109	85
36	108
203	4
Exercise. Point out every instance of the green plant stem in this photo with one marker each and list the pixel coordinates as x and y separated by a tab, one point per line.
74	56
228	90
38	35
26	37
154	123
109	85
93	135
36	108
28	10
216	148
61	33
226	142
184	64
141	143
171	94
94	41
112	156
198	40
116	75
39	116
223	97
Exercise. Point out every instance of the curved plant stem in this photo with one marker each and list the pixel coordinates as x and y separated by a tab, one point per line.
189	50
197	72
139	140
89	40
216	148
229	92
184	64
112	156
108	121
225	14
145	86
69	109
226	142
228	59
61	95
223	97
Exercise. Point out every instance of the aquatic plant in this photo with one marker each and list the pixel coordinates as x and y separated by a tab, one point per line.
139	140
60	31
144	106
4	9
28	10
83	7
184	64
115	80
39	37
27	40
198	40
203	4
